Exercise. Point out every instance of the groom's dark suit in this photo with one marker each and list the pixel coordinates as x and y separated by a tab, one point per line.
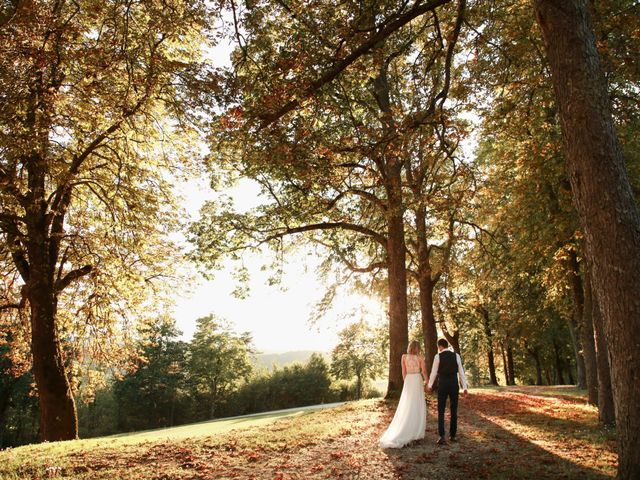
447	366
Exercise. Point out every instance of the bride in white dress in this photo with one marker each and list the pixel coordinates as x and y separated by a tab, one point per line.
410	420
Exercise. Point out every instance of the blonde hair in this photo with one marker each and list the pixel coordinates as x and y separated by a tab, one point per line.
414	347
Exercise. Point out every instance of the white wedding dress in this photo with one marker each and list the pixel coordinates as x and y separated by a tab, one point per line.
410	420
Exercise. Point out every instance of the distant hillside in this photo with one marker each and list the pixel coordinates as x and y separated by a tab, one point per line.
287	358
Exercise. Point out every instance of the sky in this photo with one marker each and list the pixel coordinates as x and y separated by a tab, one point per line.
278	317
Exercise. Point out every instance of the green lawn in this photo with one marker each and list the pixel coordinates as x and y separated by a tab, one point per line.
50	451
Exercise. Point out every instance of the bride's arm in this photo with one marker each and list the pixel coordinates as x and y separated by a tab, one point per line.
423	369
404	368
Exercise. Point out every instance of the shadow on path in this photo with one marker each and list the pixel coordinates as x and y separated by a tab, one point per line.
503	437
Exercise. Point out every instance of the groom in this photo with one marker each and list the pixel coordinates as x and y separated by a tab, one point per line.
447	366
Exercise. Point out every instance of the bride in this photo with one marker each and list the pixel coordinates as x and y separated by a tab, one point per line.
410	419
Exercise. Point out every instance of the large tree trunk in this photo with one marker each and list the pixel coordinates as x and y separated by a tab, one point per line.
604	201
430	334
588	342
606	409
587	374
426	285
391	165
58	420
396	261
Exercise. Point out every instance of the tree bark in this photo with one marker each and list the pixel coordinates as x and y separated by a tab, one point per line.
512	372
358	386
588	342
559	378
577	353
426	285
492	367
391	165
452	337
490	356
504	363
396	258
606	411
58	420
604	201
588	377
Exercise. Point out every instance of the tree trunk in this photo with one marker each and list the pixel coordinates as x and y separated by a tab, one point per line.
452	337
571	380
582	318
58	420
358	387
492	367
605	204
577	353
606	411
559	378
426	285
504	363
396	261
490	357
512	372
588	342
391	165
535	354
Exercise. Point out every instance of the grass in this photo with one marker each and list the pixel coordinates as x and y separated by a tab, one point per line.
514	432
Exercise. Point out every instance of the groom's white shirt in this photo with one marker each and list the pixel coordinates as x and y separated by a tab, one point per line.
434	371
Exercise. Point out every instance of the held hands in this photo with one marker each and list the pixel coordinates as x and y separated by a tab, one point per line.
465	393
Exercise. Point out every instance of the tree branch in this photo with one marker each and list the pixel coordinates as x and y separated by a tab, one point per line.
331	226
73	275
333	72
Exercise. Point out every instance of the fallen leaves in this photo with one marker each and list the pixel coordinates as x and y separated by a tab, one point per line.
556	437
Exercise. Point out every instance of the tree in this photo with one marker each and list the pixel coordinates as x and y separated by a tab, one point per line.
155	394
358	355
95	117
291	386
604	200
219	360
337	169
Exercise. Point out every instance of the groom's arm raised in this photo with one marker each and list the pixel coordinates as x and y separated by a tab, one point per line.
434	371
461	375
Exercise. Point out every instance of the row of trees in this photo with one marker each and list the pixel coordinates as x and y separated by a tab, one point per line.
351	119
211	376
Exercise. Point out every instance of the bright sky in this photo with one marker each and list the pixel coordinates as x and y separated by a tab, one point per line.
277	316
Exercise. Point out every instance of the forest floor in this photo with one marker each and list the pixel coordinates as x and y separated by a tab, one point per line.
504	433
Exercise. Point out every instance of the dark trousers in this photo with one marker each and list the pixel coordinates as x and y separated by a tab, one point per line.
448	388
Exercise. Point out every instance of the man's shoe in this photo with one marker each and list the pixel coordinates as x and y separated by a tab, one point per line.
441	441
453	439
